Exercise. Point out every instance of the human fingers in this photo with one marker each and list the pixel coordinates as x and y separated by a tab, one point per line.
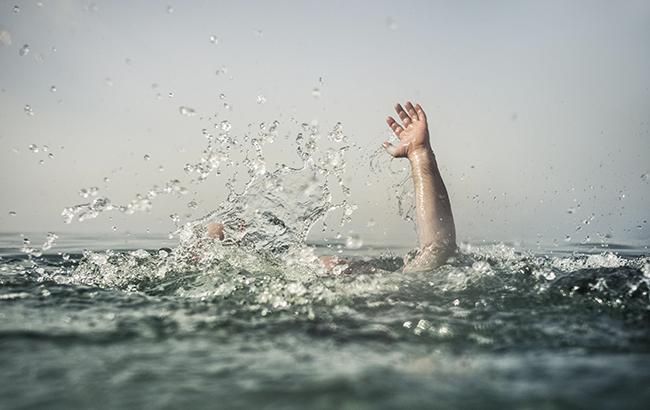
420	112
411	111
394	150
390	148
406	120
397	129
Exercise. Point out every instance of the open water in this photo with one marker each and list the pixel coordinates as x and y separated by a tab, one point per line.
128	325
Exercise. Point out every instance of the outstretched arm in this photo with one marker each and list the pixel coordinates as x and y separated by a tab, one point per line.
433	218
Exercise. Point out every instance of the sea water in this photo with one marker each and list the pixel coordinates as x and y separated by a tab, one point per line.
496	327
255	321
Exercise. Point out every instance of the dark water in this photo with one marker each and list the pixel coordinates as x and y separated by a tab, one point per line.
497	327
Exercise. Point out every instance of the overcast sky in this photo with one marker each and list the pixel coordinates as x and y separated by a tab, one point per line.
539	111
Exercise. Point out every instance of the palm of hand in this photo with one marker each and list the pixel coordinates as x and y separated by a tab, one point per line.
413	133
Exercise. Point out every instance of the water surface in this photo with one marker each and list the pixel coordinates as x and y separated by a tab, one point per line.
131	327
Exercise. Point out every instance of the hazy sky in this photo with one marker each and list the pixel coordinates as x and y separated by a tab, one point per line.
539	111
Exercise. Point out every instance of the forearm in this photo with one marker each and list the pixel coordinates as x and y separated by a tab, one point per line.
433	217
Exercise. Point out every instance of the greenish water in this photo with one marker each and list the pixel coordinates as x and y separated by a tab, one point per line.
496	327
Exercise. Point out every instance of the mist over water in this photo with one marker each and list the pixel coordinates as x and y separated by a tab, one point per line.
127	129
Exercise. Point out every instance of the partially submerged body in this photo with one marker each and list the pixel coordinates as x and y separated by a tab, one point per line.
433	216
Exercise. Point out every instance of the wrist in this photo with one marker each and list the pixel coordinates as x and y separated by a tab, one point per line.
421	156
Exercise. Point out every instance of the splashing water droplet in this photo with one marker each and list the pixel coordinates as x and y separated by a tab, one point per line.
349	210
214	39
28	249
33	148
261	99
16	9
50	155
192	205
114	227
107	180
100	204
28	110
161	168
41	162
549	275
645	177
225	125
45	148
353	242
49	241
53	89
175	218
222	96
146	157
12	213
421	327
187	111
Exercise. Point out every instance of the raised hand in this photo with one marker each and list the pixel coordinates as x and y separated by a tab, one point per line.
413	133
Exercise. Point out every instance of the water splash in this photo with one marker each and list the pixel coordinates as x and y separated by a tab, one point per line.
277	206
187	111
267	215
273	207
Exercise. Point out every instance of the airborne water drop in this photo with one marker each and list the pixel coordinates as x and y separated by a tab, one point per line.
187	111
